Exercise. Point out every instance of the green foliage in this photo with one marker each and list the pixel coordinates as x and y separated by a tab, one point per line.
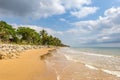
25	35
28	35
44	37
49	39
7	32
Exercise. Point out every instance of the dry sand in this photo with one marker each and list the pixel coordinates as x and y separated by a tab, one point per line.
27	67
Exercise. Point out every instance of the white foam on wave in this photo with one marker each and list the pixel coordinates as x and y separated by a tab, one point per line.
72	51
68	50
70	58
91	67
93	54
67	53
116	73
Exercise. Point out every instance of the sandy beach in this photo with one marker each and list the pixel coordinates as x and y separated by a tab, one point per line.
30	66
27	67
69	68
59	39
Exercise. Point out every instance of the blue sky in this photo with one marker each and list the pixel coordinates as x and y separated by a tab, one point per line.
75	22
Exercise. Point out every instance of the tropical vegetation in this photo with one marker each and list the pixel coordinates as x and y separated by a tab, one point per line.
26	35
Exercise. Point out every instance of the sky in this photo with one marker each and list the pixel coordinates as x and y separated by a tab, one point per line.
76	22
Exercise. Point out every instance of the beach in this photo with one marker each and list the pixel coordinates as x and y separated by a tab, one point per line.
43	64
73	64
27	66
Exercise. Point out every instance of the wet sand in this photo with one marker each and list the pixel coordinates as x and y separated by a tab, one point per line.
78	71
72	70
27	67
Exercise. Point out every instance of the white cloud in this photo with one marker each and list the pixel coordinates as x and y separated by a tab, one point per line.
84	11
103	30
39	28
27	8
112	30
77	30
43	8
103	39
50	7
87	25
112	12
78	8
71	4
62	19
106	29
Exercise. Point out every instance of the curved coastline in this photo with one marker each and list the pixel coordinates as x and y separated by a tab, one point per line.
28	66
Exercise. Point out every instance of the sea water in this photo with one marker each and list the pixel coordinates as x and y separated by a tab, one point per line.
100	58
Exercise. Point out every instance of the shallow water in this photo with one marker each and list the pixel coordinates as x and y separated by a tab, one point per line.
66	63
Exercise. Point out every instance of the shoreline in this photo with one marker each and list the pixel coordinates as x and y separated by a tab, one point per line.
31	65
68	69
28	66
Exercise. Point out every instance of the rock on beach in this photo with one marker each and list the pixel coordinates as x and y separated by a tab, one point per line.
8	51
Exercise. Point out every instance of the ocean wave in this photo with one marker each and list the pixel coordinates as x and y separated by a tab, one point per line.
70	58
105	63
91	67
71	51
116	73
94	54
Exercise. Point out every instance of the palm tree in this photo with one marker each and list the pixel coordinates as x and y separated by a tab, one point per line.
44	37
26	35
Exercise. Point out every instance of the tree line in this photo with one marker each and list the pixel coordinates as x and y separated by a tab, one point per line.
26	35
